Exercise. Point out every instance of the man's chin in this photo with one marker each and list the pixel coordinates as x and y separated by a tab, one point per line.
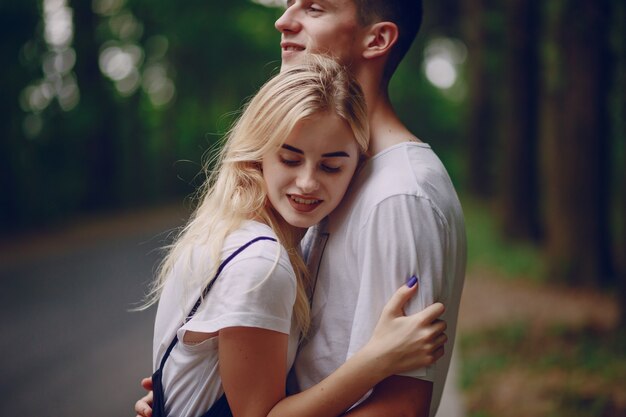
292	60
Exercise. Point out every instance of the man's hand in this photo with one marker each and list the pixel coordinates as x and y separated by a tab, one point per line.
143	407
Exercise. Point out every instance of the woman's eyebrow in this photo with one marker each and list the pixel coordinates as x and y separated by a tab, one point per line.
335	154
326	155
293	149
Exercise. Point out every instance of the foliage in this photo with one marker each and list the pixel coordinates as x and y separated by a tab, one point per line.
487	247
134	136
121	144
561	371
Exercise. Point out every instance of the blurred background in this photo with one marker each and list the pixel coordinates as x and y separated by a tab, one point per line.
108	107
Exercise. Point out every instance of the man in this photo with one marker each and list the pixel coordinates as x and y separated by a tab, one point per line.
401	217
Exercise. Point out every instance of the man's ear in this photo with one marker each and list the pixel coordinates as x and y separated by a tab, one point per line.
380	39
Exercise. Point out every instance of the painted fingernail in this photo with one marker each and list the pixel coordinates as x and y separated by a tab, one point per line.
411	282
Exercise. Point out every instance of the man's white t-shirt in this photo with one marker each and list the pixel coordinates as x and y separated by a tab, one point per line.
245	294
401	217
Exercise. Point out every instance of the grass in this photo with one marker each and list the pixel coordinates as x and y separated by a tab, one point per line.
551	372
486	246
535	369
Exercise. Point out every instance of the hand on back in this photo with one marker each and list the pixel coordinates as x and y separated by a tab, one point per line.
143	407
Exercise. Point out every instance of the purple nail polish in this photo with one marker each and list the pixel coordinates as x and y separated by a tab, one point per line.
411	282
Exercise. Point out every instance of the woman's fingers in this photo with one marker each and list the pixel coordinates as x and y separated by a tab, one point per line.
440	340
438	353
395	305
409	342
143	407
146	383
431	313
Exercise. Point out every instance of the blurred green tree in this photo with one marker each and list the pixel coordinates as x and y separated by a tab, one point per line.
17	20
518	188
575	137
482	27
120	99
116	104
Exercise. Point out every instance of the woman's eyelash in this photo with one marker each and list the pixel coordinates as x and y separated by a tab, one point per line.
289	162
294	162
330	169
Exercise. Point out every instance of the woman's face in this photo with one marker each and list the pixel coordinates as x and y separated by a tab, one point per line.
308	176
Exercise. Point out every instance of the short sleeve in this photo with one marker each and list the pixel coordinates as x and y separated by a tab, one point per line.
404	235
255	290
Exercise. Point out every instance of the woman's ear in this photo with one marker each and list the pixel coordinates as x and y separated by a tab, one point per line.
380	39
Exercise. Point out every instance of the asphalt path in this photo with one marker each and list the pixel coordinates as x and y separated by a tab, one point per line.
71	346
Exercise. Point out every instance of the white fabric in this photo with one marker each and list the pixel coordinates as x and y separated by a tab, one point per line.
243	295
401	218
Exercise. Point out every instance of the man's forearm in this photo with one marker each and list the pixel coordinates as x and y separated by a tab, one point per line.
396	396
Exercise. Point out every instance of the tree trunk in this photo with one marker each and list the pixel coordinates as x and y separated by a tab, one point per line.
480	117
442	16
96	102
518	193
622	242
17	20
619	36
575	140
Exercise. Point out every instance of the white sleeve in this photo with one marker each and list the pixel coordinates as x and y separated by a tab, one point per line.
250	292
403	236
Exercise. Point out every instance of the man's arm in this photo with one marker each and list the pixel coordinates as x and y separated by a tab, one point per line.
396	396
404	235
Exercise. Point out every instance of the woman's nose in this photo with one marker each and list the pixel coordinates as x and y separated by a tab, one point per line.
307	181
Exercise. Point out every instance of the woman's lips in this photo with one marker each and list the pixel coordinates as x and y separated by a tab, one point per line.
303	204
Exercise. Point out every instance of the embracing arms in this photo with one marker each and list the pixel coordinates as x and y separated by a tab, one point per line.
253	364
399	343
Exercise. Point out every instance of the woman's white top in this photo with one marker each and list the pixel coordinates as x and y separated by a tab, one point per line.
256	289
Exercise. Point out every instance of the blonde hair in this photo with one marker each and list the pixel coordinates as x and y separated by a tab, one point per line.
235	190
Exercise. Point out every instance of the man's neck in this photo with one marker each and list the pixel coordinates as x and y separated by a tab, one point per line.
386	128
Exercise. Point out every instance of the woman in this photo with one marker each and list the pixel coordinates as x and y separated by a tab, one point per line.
285	165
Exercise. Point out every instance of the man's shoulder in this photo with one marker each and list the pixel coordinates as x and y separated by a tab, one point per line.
407	178
411	168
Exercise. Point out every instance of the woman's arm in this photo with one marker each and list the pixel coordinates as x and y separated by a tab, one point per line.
253	369
253	364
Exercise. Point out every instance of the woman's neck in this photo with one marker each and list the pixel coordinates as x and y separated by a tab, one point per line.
290	236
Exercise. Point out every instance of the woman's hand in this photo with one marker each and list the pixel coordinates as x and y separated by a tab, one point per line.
402	343
143	407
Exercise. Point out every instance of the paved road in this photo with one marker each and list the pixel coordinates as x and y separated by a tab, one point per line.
70	347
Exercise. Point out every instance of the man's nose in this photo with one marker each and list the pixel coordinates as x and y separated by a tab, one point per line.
288	22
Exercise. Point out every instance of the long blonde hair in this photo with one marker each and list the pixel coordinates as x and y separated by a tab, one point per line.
235	191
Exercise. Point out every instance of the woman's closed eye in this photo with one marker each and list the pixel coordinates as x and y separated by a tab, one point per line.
330	169
294	161
289	161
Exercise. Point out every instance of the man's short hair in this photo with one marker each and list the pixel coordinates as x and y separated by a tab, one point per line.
406	14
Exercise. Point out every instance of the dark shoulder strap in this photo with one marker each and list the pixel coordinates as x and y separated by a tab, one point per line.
208	288
219	271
